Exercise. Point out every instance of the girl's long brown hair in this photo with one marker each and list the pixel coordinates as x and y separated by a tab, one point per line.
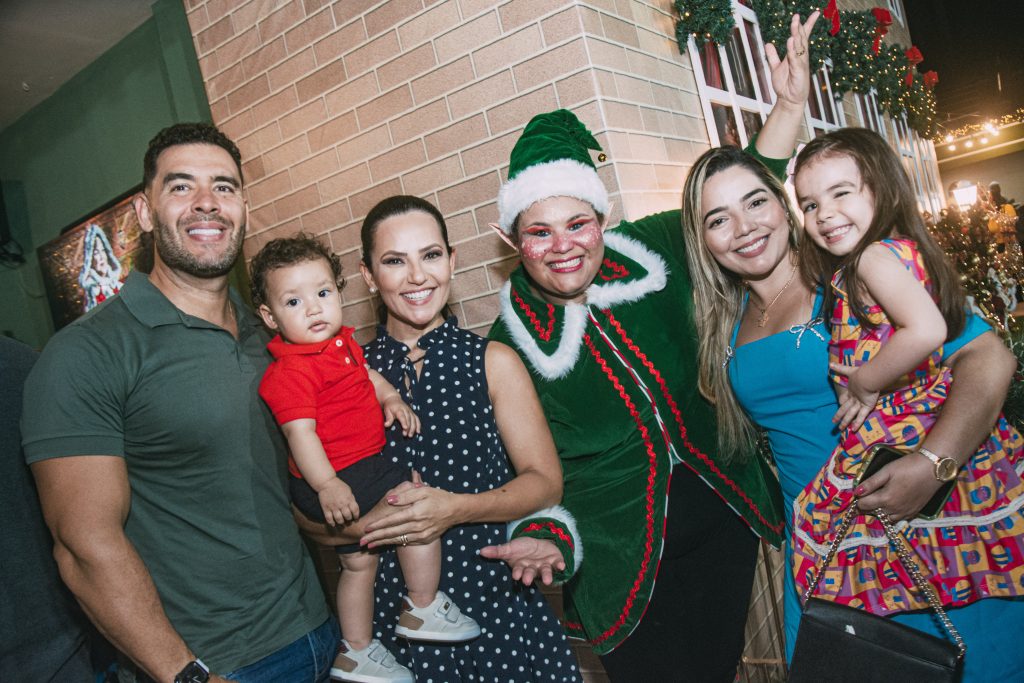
896	215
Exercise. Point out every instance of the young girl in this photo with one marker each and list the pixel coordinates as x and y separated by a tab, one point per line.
894	302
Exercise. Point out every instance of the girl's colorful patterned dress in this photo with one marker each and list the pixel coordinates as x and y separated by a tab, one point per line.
974	549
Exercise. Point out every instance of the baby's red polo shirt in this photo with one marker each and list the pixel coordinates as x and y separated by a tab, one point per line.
327	382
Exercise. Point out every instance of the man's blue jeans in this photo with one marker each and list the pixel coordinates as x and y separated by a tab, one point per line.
306	660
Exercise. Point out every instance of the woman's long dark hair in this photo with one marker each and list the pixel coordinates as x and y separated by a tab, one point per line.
398	205
896	214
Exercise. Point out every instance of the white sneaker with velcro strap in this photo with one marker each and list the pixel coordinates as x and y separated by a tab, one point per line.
441	621
374	664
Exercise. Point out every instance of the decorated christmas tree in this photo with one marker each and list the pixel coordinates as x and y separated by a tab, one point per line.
993	277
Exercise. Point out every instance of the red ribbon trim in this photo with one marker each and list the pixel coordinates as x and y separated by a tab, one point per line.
543	332
555	530
674	407
652	459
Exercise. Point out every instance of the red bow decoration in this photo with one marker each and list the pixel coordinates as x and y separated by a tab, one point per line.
884	19
930	79
832	14
914	57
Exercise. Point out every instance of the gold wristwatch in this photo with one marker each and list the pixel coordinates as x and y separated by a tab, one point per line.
946	469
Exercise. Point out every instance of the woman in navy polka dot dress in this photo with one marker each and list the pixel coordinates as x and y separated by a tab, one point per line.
484	449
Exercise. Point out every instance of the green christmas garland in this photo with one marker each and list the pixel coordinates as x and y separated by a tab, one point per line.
705	20
854	65
773	18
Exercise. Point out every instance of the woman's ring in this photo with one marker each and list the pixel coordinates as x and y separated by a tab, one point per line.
403	539
801	53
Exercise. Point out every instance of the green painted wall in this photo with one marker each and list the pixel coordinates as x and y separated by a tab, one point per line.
83	146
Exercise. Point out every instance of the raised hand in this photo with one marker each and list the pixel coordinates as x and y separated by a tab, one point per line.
791	76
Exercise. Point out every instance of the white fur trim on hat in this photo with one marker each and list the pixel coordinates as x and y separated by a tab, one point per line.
561	178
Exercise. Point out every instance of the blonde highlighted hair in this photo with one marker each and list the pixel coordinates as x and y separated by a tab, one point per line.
718	295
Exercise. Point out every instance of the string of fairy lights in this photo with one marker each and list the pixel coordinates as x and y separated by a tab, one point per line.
968	136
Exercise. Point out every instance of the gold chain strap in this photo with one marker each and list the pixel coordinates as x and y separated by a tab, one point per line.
909	563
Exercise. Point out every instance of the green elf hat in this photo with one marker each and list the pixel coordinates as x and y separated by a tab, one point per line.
551	159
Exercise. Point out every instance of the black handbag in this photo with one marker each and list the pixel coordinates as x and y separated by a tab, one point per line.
840	644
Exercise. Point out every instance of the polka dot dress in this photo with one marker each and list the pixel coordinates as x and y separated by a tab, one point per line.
459	449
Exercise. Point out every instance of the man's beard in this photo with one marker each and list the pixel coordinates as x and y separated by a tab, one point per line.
176	257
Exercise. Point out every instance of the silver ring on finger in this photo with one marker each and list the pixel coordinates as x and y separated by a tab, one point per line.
403	539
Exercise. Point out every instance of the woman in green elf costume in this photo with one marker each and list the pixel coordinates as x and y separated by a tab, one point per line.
603	319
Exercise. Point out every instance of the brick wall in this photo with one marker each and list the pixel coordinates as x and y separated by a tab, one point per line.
338	105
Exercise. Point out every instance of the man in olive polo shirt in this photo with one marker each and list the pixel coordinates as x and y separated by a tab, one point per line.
161	473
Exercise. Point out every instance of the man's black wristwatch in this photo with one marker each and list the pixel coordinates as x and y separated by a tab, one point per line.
194	672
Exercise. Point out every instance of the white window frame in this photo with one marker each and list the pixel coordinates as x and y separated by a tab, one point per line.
916	153
896	8
762	102
821	90
869	113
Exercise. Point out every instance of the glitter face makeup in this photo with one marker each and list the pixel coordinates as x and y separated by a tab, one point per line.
561	241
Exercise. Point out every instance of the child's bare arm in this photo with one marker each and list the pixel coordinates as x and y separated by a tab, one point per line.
392	404
919	326
919	329
336	499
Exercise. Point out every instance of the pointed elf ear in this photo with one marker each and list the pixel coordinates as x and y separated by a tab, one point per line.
505	237
607	216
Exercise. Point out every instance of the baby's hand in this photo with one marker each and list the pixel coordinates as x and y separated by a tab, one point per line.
338	503
397	409
855	402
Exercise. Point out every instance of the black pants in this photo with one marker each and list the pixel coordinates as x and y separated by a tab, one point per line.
693	627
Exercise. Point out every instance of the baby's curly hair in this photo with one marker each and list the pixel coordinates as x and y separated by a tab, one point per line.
287	251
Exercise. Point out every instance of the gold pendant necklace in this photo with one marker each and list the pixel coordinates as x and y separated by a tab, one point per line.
763	320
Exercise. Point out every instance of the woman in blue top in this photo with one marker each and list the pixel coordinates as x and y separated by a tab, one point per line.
764	361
